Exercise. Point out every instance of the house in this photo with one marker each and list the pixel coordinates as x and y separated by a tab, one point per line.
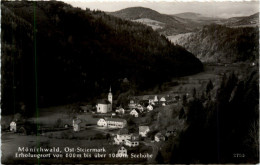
116	122
122	136
19	126
76	124
120	111
159	137
23	127
122	152
150	107
132	104
156	99
134	113
105	106
151	100
140	107
162	99
132	143
102	123
143	130
13	126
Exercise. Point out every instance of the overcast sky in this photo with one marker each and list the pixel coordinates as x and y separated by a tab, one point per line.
213	9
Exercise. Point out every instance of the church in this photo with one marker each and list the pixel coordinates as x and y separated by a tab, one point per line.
105	105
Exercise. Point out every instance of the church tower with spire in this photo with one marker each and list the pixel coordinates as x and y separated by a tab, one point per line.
110	96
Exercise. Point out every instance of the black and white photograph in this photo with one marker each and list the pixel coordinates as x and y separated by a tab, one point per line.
129	82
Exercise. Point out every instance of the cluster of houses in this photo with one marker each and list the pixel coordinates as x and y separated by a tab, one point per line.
124	138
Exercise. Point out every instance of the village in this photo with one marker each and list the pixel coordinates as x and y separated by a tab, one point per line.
143	126
126	127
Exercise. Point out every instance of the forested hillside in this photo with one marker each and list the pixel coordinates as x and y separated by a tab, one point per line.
223	123
53	53
217	43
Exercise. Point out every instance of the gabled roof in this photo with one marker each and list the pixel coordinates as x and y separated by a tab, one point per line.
103	101
134	110
143	128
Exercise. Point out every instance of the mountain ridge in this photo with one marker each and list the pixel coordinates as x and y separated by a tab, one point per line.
79	55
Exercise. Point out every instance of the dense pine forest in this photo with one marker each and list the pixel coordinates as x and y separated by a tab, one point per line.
220	129
219	43
55	54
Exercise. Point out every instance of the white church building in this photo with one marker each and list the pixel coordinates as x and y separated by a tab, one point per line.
105	106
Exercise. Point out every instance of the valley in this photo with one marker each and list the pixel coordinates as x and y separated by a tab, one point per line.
129	86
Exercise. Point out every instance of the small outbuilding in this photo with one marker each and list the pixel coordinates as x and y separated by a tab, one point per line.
143	130
149	107
13	126
134	113
159	137
76	124
122	152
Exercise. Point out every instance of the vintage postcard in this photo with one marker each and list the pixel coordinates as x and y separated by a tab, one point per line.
129	82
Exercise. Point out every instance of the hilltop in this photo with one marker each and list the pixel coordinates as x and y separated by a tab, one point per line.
247	21
168	24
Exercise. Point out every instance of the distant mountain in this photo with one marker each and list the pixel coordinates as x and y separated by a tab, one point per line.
247	21
196	17
217	43
77	54
163	23
188	15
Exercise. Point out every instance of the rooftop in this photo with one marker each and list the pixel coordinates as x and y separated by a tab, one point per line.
103	101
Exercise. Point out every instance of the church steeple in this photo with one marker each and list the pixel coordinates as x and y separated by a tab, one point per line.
110	96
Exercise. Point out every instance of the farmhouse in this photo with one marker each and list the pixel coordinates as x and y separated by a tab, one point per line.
159	137
13	126
151	100
132	104
140	107
20	126
112	122
133	141
105	106
143	130
102	123
162	99
134	113
122	136
149	107
76	125
122	152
